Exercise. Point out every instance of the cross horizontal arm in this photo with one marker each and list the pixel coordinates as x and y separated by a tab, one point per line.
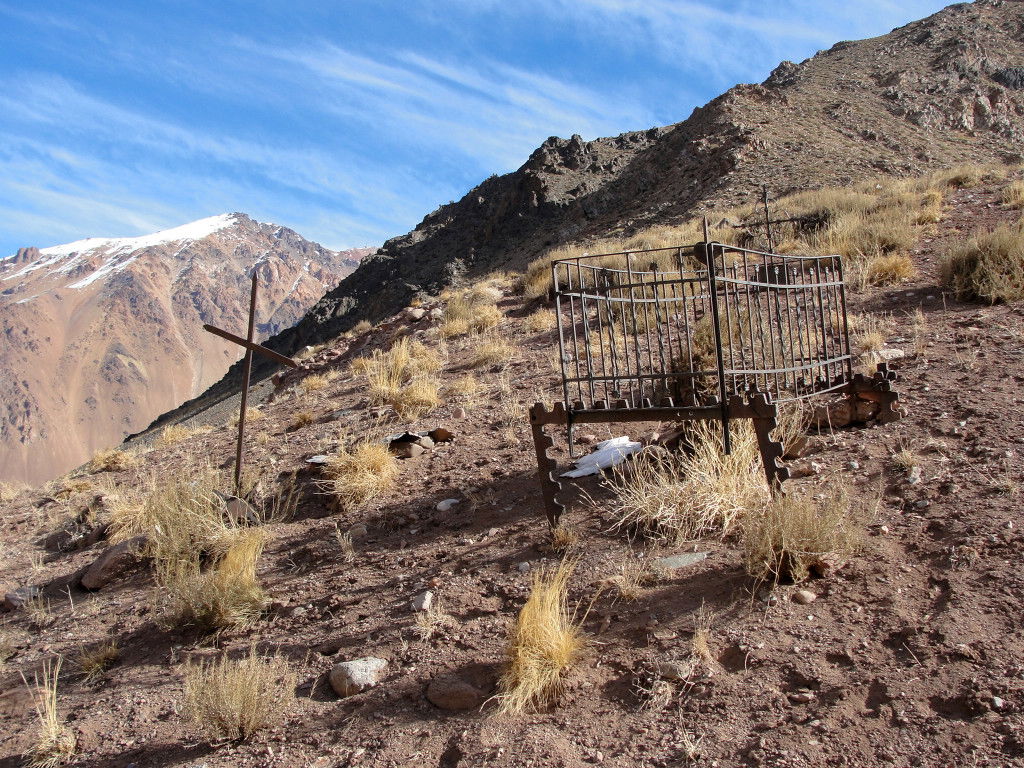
261	350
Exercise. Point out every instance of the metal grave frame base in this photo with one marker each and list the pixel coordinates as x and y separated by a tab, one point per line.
706	332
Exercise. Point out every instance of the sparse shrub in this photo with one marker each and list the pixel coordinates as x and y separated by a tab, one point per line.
796	536
54	743
685	497
362	327
634	574
792	424
252	415
355	477
1013	195
93	662
867	332
541	320
113	460
905	457
491	351
545	641
233	699
403	377
345	544
988	267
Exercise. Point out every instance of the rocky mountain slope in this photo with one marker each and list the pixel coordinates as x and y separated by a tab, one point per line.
936	92
101	335
907	653
944	90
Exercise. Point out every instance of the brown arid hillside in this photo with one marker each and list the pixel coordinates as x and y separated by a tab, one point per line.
102	335
307	637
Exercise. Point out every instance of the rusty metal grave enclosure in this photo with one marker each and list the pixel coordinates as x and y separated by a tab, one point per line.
704	332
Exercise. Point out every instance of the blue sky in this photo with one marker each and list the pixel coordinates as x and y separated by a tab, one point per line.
350	121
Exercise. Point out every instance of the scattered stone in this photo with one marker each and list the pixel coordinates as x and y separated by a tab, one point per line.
586	439
997	702
318	459
804	597
914	475
416	313
444	506
853	465
406	450
802	697
680	561
459	413
676	671
864	410
425	442
16	599
423	601
888	355
524	567
357	531
437	314
455	694
441	435
114	562
238	510
351	677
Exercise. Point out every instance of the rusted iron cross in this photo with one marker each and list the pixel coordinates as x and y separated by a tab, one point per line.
250	347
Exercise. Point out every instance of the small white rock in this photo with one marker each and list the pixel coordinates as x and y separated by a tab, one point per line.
444	506
423	601
804	597
524	567
349	677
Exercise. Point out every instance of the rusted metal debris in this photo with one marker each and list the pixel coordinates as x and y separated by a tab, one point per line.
250	346
705	332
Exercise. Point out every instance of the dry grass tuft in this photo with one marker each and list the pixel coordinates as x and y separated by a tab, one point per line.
345	544
225	593
429	622
205	565
355	477
888	269
988	267
905	457
471	311
868	333
302	419
682	498
93	662
563	537
464	389
317	381
545	641
633	576
176	433
9	492
113	460
541	320
55	743
492	350
700	643
796	536
362	327
1013	195
403	377
233	699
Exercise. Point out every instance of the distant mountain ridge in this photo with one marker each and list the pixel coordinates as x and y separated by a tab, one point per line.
945	90
103	334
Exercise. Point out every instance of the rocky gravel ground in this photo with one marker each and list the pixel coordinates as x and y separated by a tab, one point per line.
908	654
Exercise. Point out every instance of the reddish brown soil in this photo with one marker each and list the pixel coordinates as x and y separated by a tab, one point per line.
912	651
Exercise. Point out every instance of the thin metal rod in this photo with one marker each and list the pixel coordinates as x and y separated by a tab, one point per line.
768	220
709	260
245	387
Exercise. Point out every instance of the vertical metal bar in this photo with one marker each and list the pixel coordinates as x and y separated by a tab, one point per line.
247	373
846	324
658	327
561	332
709	261
768	221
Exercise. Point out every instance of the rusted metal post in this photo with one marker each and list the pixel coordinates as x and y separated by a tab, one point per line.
247	373
767	220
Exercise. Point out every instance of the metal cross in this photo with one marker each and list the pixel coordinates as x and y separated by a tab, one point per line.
250	347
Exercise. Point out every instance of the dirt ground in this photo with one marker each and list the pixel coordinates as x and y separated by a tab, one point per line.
911	655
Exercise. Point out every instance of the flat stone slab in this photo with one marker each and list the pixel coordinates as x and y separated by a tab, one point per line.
684	560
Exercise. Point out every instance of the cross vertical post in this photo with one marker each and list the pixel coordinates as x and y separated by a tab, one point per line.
246	375
250	347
